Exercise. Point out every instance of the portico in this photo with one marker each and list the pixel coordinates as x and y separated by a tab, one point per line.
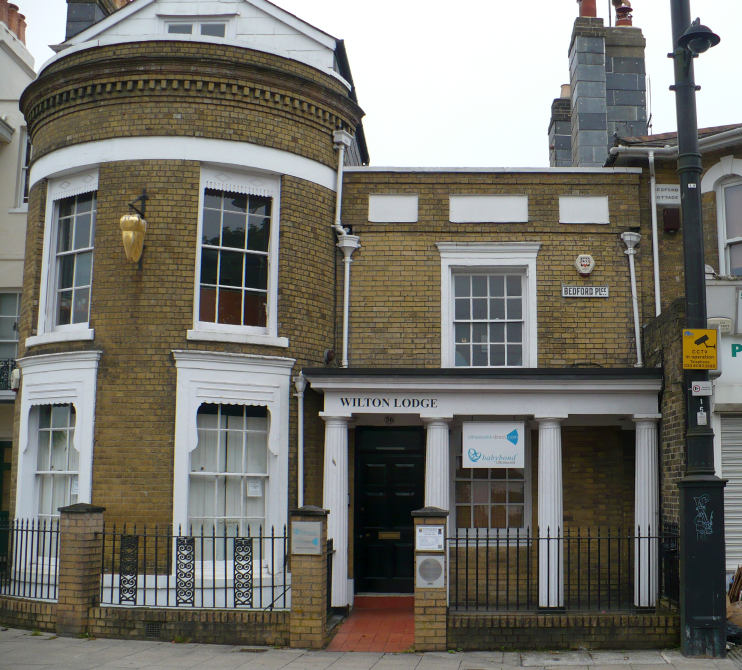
546	401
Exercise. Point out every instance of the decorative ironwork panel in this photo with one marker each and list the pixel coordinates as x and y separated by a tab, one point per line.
6	368
185	570
128	569
243	571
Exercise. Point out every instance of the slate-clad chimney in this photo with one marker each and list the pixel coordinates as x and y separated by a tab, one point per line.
82	14
607	86
560	130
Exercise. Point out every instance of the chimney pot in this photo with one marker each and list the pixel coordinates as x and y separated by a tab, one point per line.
12	21
21	28
4	12
588	9
566	91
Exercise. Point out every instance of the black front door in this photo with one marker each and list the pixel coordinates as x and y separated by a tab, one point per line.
390	480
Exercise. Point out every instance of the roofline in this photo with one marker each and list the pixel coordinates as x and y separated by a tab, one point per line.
342	58
498	170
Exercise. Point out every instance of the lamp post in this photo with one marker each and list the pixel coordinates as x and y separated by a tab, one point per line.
702	565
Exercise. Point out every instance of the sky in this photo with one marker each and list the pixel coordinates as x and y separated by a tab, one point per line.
470	83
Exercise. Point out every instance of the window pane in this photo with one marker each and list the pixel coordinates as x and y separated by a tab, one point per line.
479	355
8	350
82	231
733	210
461	308
213	29
497	308
8	304
233	497
233	230
59	450
497	332
60	416
230	268
497	286
735	259
66	271
7	328
497	354
479	332
66	207
499	517
230	306
499	492
515	355
515	517
462	355
81	306
478	285
461	286
256	271
64	310
213	198
479	308
481	516
515	308
43	452
463	516
211	227
207	304
255	312
463	492
462	332
234	451
259	233
514	285
516	492
180	28
209	264
83	269
257	453
515	332
45	415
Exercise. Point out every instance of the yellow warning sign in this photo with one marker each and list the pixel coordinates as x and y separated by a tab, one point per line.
699	349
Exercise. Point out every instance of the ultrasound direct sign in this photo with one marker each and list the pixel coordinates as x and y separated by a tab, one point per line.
493	444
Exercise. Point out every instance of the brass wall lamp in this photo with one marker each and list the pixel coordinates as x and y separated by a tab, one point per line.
133	228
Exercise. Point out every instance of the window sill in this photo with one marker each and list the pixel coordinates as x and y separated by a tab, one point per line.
19	210
83	334
239	338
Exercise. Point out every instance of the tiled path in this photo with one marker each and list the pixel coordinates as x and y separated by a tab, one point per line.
377	623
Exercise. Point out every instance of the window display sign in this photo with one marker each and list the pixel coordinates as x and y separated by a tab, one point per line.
493	444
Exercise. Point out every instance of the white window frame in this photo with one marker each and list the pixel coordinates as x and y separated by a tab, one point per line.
724	242
233	379
508	533
196	21
47	330
249	184
474	256
17	294
24	171
56	379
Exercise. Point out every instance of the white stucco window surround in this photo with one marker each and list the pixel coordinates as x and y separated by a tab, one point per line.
197	26
392	208
205	377
481	208
236	282
493	261
55	379
584	209
725	179
67	259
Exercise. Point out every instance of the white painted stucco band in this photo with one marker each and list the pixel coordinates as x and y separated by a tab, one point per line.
242	155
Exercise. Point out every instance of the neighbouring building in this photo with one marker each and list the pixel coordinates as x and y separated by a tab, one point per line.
16	64
293	327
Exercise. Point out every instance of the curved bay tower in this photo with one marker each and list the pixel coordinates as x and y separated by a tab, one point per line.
219	124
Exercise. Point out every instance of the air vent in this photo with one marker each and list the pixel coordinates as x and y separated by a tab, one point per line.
153	629
429	573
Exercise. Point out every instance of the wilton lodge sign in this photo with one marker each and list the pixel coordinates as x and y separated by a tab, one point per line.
493	444
388	402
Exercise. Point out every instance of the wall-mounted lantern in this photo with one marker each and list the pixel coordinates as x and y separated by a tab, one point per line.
133	227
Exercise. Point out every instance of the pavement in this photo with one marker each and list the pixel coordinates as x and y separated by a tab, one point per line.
22	649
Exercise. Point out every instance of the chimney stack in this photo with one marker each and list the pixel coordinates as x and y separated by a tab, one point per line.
588	9
15	22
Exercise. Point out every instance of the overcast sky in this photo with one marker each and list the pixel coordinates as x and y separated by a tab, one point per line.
470	83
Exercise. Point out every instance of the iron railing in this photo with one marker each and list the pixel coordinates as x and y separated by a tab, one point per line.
29	558
6	368
601	569
159	568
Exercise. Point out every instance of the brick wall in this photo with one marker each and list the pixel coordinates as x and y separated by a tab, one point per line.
30	614
569	631
399	326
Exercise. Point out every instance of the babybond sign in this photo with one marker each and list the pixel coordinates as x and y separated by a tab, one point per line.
493	444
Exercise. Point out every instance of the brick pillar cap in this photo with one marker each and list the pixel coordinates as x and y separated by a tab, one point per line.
310	510
429	512
82	508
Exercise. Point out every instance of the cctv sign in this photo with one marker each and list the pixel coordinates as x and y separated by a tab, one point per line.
699	349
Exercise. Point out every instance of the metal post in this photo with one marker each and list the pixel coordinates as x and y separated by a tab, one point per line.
702	592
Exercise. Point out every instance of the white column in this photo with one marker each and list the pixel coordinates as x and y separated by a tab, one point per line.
646	511
437	484
335	499
550	514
